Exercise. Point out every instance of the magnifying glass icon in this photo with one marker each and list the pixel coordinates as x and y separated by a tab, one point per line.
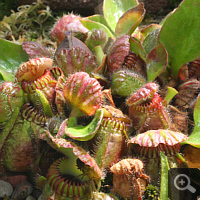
183	183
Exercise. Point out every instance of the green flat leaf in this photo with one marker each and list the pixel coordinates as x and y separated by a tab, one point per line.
81	133
6	75
156	62
11	57
180	34
164	19
150	41
147	30
100	19
114	9
164	176
130	20
92	25
194	138
137	48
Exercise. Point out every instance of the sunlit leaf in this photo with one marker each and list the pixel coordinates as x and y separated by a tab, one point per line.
130	20
100	19
150	41
148	29
180	34
92	25
137	48
11	57
114	9
156	62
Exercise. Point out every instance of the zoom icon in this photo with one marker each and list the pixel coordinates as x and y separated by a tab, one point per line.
182	182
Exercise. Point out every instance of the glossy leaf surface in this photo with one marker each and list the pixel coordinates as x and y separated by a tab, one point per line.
129	21
147	30
100	19
114	9
180	34
11	57
136	47
156	62
92	25
150	41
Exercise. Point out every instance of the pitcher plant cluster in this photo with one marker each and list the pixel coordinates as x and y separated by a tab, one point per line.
104	115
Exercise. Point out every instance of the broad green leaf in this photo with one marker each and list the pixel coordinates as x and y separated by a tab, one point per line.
137	48
114	9
194	138
11	57
164	19
6	75
150	42
156	62
180	34
92	25
130	20
100	19
164	176
147	30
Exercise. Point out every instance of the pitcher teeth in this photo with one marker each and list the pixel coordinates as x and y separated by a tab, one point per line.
67	185
33	69
149	143
147	109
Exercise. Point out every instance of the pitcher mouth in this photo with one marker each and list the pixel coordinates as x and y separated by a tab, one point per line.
150	105
39	83
65	184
